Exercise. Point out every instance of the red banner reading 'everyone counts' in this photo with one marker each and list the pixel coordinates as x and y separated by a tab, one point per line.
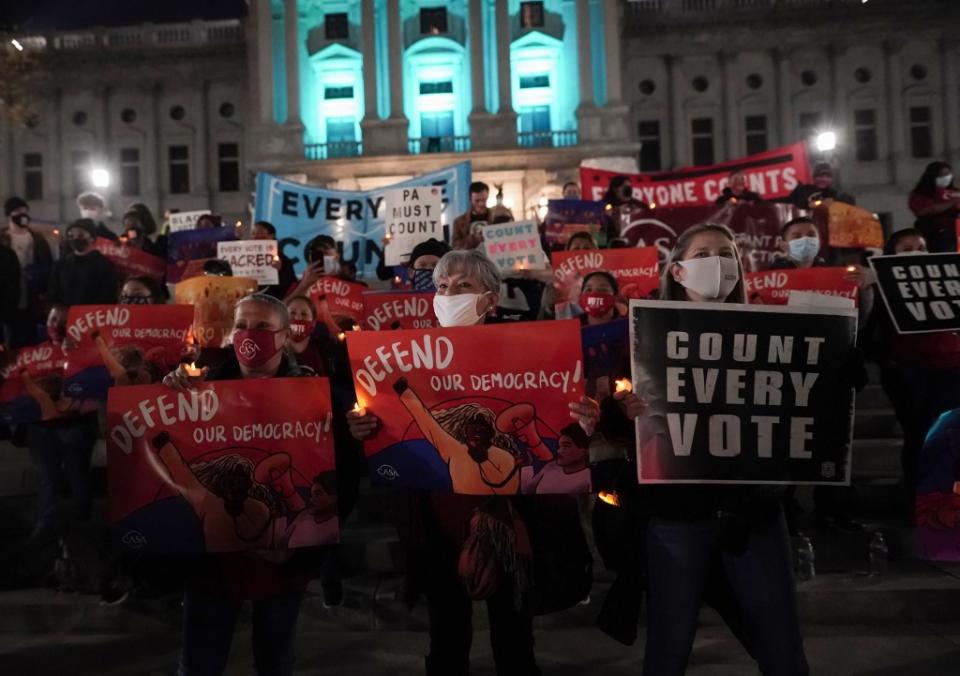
231	466
122	345
398	310
476	410
773	287
772	174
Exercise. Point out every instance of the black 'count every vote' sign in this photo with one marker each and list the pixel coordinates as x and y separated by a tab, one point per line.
921	292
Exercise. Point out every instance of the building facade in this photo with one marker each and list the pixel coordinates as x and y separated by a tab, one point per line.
359	93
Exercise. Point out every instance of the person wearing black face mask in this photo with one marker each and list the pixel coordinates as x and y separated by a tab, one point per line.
84	276
618	203
35	260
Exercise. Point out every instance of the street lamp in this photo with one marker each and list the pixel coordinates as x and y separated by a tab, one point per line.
100	178
826	141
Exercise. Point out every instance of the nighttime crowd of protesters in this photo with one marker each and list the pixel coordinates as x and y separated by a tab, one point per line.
726	546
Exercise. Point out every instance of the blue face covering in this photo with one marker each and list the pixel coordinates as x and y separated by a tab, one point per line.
804	249
423	280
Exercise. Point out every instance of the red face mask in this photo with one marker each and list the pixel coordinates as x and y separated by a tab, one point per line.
255	347
596	303
302	328
54	333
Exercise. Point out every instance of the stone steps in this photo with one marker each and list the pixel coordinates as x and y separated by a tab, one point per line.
910	593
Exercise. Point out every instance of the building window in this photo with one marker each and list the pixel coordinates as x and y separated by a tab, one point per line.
179	161
228	159
128	115
436	87
756	128
177	113
129	171
79	118
336	27
921	132
809	124
80	161
534	81
647	87
341	137
531	15
865	134
433	20
32	176
918	72
437	130
338	93
808	78
862	75
227	110
754	81
648	132
700	84
702	131
535	127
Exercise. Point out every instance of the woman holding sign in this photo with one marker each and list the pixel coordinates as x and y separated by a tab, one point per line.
443	564
691	526
274	580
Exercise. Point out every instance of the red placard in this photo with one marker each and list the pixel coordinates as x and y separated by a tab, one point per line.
130	261
477	410
32	381
772	174
773	287
383	310
635	269
234	465
345	299
122	345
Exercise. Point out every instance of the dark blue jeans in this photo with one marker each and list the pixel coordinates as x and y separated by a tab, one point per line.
680	555
61	451
208	624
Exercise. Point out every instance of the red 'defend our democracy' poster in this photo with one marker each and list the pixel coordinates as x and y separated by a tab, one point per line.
345	299
231	466
772	174
130	261
635	269
383	310
122	345
773	287
476	410
32	383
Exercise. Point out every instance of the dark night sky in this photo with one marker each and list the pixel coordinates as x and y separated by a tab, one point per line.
29	15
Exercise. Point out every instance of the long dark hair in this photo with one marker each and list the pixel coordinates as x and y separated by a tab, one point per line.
670	289
927	185
612	196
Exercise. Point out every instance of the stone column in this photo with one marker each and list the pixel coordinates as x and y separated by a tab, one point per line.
781	61
611	35
477	76
504	79
369	62
951	101
292	40
264	32
203	147
583	54
395	41
679	127
839	103
731	123
895	125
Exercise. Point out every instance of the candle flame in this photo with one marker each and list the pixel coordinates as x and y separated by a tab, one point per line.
341	336
609	497
358	409
653	205
624	385
192	369
851	268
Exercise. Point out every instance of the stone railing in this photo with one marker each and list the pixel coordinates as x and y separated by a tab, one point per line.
146	36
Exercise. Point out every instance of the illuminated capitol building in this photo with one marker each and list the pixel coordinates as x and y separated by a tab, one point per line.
361	93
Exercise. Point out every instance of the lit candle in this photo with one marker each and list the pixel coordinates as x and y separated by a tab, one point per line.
624	385
358	409
609	497
653	205
341	336
56	232
817	203
388	236
851	268
239	223
192	370
355	327
397	280
276	258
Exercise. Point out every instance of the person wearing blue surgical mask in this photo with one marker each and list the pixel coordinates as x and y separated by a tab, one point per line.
800	244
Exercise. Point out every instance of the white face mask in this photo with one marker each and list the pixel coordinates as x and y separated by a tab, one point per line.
458	310
944	181
93	214
712	278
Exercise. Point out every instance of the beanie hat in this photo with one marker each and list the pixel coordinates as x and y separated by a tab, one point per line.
13	203
84	224
431	247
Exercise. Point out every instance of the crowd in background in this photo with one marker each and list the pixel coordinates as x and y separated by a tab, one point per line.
682	546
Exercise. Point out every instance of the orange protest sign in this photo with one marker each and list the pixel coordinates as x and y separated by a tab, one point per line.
213	299
851	227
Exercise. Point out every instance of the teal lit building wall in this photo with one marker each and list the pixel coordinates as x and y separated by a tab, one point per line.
437	69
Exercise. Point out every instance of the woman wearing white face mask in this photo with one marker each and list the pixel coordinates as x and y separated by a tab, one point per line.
468	289
743	526
935	201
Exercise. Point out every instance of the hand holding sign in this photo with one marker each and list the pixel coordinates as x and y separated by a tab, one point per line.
412	216
514	246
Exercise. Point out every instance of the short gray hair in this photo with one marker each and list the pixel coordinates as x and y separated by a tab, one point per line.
269	301
469	263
